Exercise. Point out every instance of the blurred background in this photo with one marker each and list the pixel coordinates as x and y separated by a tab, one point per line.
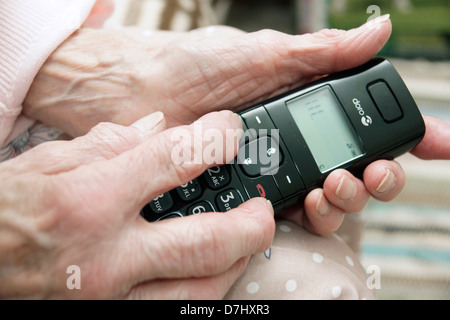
408	238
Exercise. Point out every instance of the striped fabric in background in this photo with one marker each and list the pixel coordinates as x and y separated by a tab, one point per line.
409	237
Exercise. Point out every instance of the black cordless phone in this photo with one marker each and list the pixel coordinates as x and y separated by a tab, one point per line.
292	142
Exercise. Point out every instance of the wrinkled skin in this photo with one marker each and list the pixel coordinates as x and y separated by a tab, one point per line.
103	75
77	202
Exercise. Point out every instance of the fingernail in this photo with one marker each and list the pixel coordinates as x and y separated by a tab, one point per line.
388	182
148	123
382	18
236	121
378	20
346	189
269	204
322	206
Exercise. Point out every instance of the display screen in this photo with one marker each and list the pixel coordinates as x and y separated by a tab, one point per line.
326	128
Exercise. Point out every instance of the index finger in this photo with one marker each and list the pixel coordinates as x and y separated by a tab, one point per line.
135	177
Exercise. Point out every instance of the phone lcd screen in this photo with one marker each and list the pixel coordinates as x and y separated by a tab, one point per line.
326	128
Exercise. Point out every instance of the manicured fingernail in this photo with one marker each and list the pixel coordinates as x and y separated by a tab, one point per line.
148	123
346	189
322	206
388	182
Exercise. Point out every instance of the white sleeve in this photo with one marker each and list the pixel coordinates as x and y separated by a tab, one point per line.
30	30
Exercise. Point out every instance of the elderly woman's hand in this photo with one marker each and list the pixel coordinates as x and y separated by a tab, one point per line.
70	224
120	76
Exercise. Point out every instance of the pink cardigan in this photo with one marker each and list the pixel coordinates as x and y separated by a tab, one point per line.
30	30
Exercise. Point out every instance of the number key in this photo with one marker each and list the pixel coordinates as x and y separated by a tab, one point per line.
200	207
161	203
217	177
228	200
190	190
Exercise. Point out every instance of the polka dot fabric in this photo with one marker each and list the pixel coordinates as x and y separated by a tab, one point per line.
303	266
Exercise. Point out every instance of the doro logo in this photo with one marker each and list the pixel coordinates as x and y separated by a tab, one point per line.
365	119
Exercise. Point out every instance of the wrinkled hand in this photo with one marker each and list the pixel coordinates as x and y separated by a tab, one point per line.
105	75
120	76
77	203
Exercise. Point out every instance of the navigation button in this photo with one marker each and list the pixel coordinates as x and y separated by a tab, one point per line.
260	156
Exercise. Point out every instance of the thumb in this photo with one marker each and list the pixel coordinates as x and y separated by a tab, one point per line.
332	50
275	62
199	245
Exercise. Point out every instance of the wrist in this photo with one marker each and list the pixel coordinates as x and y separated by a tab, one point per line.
92	77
